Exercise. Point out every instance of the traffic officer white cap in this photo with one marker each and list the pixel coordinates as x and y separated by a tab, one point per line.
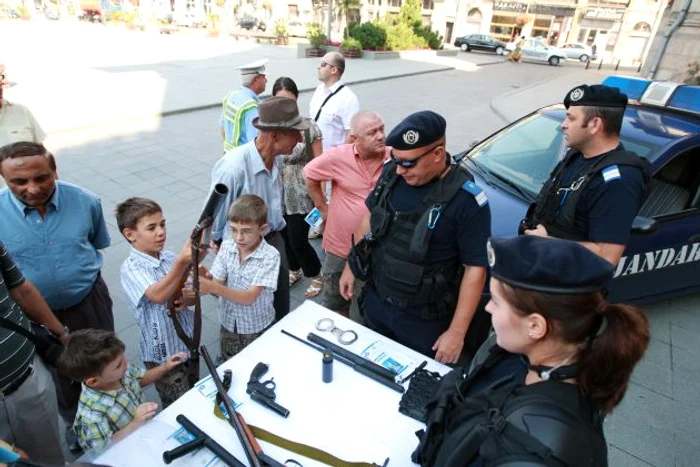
255	68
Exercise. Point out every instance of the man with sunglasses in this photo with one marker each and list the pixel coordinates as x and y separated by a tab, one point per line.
333	104
241	107
426	239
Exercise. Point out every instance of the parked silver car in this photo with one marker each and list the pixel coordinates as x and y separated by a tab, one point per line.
580	52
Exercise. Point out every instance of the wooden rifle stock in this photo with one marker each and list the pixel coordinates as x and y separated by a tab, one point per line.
203	224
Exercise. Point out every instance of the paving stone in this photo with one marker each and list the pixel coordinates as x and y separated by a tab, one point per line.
619	458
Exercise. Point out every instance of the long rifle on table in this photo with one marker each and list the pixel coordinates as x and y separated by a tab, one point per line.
253	451
202	229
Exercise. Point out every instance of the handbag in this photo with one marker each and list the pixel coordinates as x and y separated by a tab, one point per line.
47	345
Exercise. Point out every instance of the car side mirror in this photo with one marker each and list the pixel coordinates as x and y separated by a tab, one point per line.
644	226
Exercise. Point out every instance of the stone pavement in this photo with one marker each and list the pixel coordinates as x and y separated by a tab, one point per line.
170	159
117	75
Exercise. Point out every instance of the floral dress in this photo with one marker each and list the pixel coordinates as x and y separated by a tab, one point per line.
296	197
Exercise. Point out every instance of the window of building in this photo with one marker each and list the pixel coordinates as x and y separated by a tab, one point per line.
396	3
642	27
474	16
292	11
503	27
428	4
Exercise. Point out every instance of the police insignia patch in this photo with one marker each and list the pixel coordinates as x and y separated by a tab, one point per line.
576	95
411	137
491	254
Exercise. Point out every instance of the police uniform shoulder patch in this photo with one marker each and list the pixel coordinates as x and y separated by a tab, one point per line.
478	193
610	173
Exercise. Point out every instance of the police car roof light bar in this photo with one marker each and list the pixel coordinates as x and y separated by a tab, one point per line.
658	93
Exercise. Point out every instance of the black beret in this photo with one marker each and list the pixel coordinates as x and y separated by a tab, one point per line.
596	95
547	265
417	130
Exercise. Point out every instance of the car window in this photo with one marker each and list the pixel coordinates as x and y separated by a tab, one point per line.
524	153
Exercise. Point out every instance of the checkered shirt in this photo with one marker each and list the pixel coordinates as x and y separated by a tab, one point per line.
158	337
103	413
261	268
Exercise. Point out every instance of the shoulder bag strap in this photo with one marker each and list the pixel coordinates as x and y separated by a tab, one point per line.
318	114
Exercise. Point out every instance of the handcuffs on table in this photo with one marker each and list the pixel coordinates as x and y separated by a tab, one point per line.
344	337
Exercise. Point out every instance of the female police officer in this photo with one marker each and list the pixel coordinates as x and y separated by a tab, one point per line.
559	361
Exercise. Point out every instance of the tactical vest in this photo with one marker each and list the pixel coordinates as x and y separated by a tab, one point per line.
399	271
503	429
555	206
234	113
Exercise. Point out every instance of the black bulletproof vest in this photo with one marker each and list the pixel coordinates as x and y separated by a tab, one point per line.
502	428
555	206
401	275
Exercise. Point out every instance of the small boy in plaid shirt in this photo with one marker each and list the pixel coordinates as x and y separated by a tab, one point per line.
111	402
244	277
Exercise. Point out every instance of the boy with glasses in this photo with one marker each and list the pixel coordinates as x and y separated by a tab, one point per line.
244	276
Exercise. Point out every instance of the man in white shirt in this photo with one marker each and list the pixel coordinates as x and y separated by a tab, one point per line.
333	104
16	121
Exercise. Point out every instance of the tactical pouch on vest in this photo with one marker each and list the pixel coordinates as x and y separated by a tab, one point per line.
358	259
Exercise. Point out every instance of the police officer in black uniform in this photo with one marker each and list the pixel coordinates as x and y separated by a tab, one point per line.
423	244
559	361
595	192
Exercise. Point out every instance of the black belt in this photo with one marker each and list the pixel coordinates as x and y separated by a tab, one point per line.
15	385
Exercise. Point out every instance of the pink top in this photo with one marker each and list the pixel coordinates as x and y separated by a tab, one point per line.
353	178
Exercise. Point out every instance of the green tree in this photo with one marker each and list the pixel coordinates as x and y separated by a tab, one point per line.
410	13
342	11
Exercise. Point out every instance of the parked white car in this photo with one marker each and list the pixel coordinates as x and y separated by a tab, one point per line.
580	52
296	29
537	50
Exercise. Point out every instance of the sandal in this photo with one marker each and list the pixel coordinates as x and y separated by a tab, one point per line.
314	288
295	276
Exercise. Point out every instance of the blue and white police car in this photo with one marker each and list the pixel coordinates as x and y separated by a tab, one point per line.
662	124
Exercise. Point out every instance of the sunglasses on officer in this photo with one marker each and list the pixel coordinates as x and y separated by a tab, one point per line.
410	163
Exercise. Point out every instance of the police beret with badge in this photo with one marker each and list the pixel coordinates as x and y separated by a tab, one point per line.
596	95
547	265
418	130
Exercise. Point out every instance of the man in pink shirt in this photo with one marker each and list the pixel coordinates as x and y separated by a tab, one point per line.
353	170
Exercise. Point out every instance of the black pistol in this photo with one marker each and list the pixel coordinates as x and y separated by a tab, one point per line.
264	392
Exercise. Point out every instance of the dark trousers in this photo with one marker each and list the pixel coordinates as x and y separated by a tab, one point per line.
281	299
300	253
93	312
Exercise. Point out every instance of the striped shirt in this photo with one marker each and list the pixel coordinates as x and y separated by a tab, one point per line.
16	352
103	413
260	268
158	338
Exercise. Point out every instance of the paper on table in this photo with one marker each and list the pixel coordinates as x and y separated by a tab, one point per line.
389	357
156	436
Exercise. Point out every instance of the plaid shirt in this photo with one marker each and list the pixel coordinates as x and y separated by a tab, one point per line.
158	337
260	268
103	413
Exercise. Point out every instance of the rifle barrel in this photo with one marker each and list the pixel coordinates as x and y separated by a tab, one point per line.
232	414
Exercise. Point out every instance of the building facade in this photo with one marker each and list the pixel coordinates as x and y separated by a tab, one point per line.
683	44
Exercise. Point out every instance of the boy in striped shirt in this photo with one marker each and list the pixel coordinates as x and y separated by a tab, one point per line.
150	277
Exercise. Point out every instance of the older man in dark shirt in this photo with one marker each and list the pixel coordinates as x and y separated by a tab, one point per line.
28	408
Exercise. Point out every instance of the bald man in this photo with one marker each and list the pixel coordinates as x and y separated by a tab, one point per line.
333	104
353	170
